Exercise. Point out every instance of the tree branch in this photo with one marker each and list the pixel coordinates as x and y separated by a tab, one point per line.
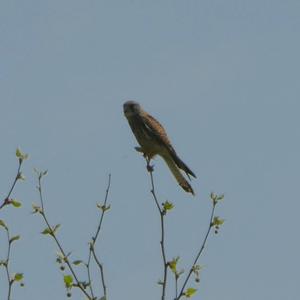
92	252
162	214
17	177
182	291
52	233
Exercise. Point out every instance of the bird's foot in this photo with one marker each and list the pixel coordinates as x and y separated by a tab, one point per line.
150	168
139	149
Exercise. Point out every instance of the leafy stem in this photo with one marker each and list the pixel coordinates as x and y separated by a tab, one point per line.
92	252
214	222
21	157
162	213
11	279
51	231
182	291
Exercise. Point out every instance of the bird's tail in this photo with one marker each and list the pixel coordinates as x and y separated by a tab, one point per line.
180	164
177	174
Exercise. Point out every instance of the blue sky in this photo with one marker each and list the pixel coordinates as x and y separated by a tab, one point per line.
221	76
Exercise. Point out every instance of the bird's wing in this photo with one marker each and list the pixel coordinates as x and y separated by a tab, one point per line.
157	130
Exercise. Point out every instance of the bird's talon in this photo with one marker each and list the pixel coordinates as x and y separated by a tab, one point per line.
150	168
138	149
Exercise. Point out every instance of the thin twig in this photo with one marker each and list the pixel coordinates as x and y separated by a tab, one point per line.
88	266
103	211
65	257
96	237
176	286
101	272
181	294
162	226
6	200
10	281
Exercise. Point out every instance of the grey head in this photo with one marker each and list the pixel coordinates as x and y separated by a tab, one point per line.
131	108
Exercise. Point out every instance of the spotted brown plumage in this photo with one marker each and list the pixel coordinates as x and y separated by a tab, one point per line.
153	140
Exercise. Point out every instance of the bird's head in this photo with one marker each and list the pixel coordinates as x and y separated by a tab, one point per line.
131	108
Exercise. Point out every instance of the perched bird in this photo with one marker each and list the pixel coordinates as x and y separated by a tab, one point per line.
153	140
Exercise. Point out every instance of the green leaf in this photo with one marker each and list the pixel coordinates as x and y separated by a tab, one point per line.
18	153
21	155
15	203
36	209
213	196
21	176
103	207
173	265
51	231
190	292
168	205
221	197
197	268
46	231
68	280
60	255
14	238
18	277
3	263
2	223
103	298
39	173
77	262
55	228
217	221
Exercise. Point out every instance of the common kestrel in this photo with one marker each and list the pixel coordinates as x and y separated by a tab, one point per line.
153	140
